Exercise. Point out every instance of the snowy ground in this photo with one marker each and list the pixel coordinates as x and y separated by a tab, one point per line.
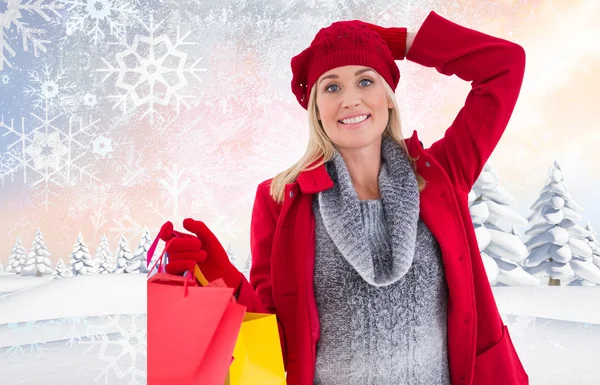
556	331
567	303
80	296
76	330
10	282
92	330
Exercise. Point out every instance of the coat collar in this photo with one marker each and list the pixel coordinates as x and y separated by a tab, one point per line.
317	180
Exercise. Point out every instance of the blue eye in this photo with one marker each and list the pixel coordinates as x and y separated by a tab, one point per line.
361	82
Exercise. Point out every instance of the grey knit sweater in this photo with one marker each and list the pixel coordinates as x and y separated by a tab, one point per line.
379	282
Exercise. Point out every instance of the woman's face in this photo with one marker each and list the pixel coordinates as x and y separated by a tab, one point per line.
352	92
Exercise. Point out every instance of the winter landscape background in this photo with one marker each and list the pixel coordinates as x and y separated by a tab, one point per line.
117	115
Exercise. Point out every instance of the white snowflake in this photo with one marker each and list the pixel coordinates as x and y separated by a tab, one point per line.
152	70
102	146
28	329
125	351
14	15
98	18
9	165
50	89
51	154
5	79
46	151
90	100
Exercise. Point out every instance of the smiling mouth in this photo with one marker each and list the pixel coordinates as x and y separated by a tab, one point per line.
355	124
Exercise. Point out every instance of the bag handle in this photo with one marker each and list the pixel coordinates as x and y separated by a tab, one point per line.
151	251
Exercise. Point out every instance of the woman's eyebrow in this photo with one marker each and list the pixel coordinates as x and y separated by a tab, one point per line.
334	76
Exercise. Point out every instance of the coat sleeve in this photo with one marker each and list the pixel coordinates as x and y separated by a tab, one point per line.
495	68
257	294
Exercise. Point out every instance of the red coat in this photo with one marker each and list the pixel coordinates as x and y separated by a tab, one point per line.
480	350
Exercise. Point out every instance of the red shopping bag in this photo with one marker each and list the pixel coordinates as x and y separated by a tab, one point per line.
192	331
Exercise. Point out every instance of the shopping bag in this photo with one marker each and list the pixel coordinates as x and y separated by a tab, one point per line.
190	337
257	354
192	330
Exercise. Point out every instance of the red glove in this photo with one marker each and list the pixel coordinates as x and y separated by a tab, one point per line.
395	37
204	249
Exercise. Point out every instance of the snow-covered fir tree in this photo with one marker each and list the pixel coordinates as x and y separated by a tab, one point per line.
232	256
103	260
595	244
1	267
16	259
61	270
141	252
103	257
80	260
38	259
247	265
125	262
557	248
587	272
502	250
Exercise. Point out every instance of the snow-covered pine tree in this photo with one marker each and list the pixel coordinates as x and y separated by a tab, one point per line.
103	257
595	244
16	259
140	254
61	270
587	272
37	262
247	265
232	256
556	243
125	257
80	260
1	267
500	245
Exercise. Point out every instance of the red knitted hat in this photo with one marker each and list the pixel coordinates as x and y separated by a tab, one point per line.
344	43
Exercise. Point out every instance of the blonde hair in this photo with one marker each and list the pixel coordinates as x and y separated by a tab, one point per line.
319	145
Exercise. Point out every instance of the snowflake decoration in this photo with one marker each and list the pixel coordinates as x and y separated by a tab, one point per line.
5	79
90	100
151	70
50	89
102	146
13	15
98	18
50	154
124	351
9	164
28	328
46	150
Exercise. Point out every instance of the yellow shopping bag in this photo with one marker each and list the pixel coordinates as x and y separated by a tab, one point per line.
257	355
257	358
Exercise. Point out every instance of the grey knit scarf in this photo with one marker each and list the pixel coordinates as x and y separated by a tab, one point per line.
379	282
341	211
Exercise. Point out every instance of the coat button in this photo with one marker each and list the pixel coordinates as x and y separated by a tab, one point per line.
291	194
427	164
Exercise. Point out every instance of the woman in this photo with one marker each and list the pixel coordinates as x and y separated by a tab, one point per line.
365	249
